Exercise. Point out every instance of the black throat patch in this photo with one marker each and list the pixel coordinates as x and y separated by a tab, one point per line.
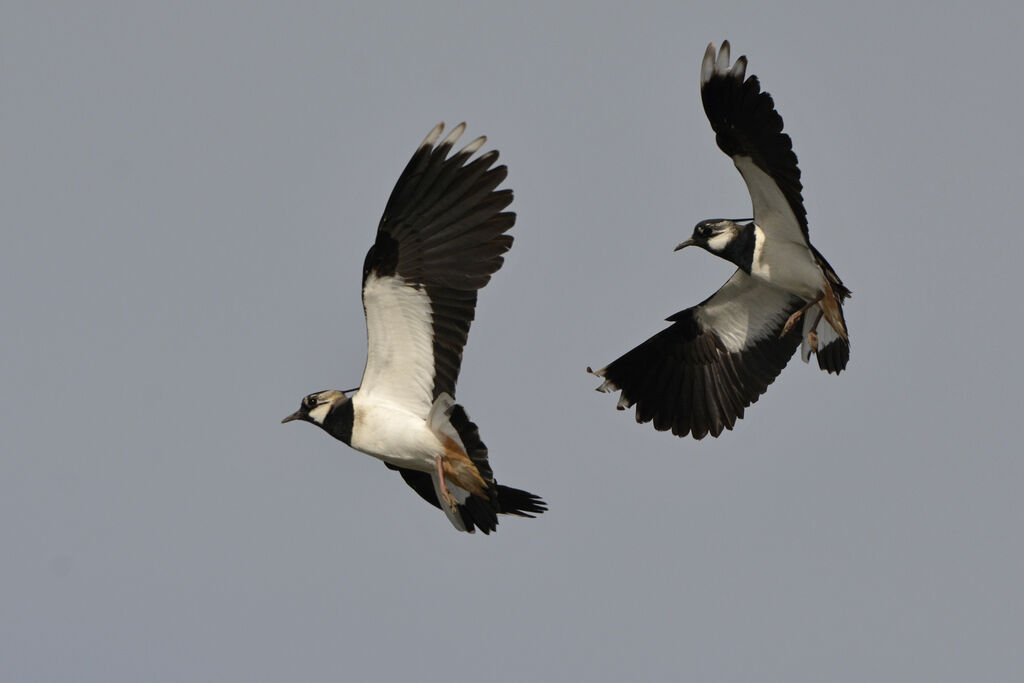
338	422
741	249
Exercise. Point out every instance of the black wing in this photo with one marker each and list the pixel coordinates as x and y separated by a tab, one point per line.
749	130
697	376
441	237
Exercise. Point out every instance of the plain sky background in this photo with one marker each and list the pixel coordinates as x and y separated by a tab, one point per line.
187	193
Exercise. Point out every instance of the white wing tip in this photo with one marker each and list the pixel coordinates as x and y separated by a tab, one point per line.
472	147
739	69
722	63
607	386
713	64
433	135
707	67
454	135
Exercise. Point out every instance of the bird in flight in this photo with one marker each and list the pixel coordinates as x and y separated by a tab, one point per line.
698	375
442	236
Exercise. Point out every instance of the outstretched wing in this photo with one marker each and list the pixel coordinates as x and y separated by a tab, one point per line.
749	130
441	237
696	376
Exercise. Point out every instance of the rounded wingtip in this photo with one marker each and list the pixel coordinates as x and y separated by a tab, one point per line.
718	64
449	140
473	146
453	135
722	63
707	65
433	135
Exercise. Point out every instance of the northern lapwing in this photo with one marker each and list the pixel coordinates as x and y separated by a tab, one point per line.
697	376
441	238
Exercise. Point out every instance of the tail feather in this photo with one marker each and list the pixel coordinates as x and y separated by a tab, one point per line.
518	502
480	513
473	511
831	348
833	357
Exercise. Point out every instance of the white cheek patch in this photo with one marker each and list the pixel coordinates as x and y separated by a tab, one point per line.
319	414
720	241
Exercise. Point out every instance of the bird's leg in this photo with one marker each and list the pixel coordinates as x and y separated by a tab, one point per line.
796	316
812	336
446	495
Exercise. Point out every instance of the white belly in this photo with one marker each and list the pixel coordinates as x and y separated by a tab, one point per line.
790	266
394	436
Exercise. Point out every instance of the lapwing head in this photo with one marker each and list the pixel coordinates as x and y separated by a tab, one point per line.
316	407
730	239
715	235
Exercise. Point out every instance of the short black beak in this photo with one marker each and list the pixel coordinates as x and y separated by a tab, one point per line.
683	245
297	415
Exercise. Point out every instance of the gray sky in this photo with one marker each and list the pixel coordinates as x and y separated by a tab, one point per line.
187	194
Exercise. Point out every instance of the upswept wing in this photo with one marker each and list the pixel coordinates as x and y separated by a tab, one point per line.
440	239
749	129
697	376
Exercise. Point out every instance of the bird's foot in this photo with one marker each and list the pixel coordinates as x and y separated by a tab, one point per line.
446	495
812	336
793	320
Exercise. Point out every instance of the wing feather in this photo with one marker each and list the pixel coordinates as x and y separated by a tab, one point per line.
698	375
439	241
749	129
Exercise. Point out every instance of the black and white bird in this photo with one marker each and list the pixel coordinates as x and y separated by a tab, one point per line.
440	239
698	375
